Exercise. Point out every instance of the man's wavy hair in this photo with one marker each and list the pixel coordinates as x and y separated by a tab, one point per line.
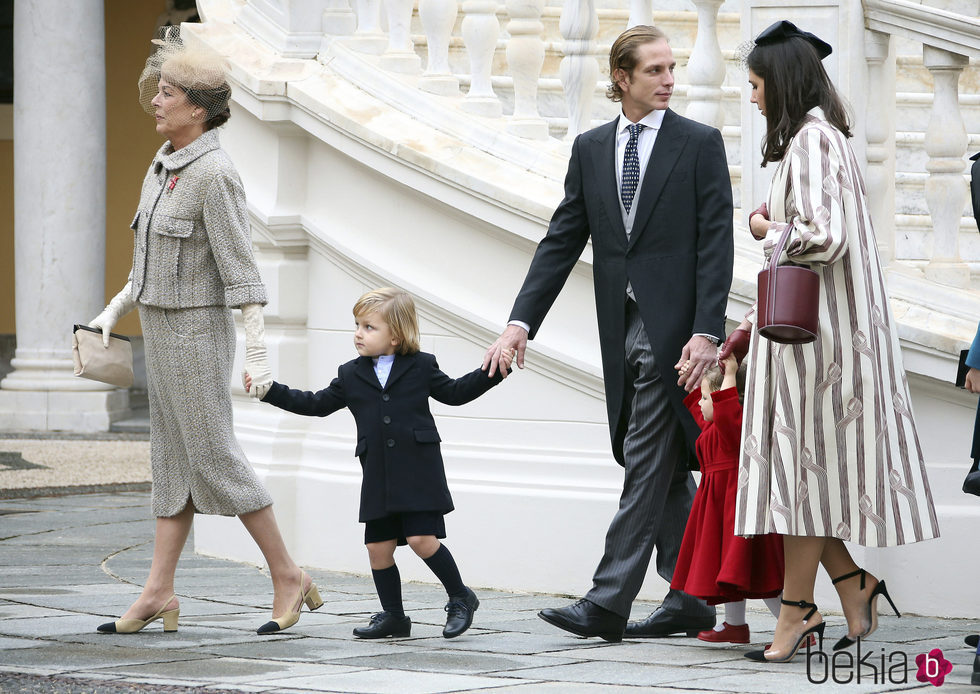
623	54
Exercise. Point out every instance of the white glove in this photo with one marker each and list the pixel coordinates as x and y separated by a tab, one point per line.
256	358
121	304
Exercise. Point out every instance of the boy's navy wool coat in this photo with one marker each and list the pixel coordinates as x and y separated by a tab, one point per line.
397	440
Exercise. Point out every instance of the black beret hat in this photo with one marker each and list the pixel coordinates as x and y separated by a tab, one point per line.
783	30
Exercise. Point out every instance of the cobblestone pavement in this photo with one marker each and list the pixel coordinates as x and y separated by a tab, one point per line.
71	562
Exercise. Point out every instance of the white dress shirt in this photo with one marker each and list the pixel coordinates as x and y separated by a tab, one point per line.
382	367
644	145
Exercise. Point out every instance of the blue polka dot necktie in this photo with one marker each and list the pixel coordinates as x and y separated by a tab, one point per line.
631	167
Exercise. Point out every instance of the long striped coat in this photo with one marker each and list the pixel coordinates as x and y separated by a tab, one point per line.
829	445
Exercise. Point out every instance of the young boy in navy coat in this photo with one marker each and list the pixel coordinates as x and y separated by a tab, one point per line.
404	494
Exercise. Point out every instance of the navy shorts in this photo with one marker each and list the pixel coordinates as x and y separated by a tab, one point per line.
398	526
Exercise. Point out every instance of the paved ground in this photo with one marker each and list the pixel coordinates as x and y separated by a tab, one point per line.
69	561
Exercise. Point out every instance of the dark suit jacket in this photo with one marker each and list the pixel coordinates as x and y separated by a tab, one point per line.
678	258
397	440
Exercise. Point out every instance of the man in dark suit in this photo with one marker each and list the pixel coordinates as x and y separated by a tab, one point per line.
652	191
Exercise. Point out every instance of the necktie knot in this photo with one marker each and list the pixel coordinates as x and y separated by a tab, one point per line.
631	166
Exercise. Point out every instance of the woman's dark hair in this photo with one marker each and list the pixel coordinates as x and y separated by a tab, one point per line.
214	101
795	82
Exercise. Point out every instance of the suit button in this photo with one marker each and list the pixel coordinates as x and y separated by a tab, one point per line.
386	419
390	443
386	397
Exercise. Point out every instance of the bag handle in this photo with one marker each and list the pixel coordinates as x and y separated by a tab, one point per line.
777	251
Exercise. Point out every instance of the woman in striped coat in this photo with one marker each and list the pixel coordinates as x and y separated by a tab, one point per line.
829	446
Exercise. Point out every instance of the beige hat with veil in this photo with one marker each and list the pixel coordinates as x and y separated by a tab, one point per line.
198	71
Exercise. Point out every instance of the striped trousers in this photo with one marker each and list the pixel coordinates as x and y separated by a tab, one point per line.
657	489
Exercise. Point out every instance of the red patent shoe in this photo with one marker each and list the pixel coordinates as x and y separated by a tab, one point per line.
729	634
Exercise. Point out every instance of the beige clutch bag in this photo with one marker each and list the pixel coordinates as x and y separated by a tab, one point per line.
92	360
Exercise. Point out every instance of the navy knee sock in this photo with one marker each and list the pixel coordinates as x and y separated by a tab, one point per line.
389	585
444	567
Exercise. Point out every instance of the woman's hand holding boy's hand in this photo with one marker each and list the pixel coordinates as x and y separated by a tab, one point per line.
246	381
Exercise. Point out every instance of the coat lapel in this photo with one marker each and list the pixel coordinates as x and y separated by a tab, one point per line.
365	370
602	148
403	362
666	150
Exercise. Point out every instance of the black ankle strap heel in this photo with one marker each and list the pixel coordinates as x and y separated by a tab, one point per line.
872	608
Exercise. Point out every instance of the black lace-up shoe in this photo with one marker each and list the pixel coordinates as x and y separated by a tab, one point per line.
385	624
585	618
460	614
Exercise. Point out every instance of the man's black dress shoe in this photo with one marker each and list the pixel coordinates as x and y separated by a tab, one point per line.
460	614
385	624
663	623
585	618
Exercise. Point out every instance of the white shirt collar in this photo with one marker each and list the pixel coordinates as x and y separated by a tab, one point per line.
652	120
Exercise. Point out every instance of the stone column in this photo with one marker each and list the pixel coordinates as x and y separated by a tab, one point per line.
946	191
59	219
880	136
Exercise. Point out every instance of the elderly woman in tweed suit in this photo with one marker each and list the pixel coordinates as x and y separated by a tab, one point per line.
829	445
192	263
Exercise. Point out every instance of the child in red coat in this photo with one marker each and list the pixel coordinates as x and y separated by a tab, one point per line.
714	564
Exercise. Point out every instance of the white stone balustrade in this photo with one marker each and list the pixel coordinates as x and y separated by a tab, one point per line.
880	137
525	56
438	18
368	37
579	71
641	12
480	31
946	142
338	18
400	55
706	69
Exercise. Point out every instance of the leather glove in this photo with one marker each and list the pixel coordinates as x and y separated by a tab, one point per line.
256	357
121	304
737	343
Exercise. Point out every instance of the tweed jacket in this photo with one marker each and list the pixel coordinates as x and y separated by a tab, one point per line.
397	439
193	245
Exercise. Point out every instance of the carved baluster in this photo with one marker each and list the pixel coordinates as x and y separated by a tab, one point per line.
579	71
480	31
400	55
525	56
706	69
338	18
438	18
880	131
368	38
641	12
946	142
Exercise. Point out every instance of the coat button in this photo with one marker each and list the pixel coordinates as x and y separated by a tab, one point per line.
390	443
386	397
386	419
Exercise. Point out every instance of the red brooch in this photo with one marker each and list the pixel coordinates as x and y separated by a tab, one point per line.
173	182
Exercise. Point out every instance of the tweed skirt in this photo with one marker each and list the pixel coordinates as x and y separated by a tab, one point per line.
194	455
